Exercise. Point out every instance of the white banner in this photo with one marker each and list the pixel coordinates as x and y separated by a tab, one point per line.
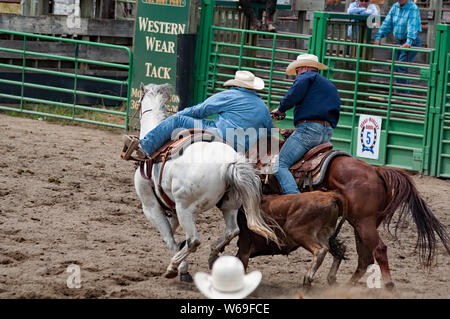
369	134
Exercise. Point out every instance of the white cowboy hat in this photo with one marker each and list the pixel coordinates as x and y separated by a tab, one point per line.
305	60
227	280
247	80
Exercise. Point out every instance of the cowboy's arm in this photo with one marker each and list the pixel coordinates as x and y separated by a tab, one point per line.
371	10
209	107
386	27
413	27
295	94
354	9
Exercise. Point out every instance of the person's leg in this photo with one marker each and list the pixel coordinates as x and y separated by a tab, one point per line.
163	132
271	6
250	14
305	137
400	57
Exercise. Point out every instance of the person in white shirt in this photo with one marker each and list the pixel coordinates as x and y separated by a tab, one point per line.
361	7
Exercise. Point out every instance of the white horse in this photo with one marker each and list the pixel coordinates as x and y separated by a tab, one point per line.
196	181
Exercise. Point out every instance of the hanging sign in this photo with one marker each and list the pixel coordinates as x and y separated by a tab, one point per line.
158	23
369	133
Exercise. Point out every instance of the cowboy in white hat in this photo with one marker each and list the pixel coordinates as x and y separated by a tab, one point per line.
238	107
316	106
227	280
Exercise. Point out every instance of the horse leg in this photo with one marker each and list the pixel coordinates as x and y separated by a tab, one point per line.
331	278
184	266
231	231
156	216
365	258
370	238
319	253
187	219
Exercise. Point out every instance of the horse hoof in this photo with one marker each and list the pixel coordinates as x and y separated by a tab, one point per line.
186	277
331	280
389	286
171	273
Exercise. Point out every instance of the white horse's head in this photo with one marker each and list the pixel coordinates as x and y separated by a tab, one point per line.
153	105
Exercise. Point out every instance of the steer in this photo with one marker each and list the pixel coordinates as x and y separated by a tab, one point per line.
307	220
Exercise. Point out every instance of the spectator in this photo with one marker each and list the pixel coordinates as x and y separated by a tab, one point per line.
403	20
363	7
249	12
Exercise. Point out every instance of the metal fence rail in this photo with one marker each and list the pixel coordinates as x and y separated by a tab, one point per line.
443	165
263	53
372	87
21	79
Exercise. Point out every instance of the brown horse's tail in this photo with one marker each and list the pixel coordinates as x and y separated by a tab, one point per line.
405	197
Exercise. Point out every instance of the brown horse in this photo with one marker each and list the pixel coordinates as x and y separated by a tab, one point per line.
307	220
374	194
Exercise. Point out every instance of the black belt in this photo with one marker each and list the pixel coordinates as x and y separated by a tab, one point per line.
324	123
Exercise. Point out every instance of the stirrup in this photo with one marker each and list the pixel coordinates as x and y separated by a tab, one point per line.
130	144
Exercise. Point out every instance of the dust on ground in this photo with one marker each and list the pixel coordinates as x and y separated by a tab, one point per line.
67	198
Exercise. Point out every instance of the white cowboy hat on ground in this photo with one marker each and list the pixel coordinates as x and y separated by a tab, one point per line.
305	60
227	280
247	80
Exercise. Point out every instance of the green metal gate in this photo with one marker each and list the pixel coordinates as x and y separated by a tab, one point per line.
440	164
74	56
223	50
369	85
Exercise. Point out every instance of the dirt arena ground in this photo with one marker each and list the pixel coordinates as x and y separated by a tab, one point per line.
66	198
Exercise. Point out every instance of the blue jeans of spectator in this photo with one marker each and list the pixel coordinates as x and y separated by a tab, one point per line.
163	132
305	137
405	56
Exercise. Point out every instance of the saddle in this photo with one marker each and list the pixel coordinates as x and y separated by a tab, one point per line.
309	172
170	150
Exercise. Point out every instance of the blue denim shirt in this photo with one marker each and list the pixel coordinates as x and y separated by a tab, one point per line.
403	22
235	108
314	98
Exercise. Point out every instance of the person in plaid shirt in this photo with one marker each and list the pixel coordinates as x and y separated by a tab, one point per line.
403	20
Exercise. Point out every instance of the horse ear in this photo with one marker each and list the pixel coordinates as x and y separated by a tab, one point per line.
142	87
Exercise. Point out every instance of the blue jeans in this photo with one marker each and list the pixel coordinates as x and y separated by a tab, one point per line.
305	137
163	132
405	56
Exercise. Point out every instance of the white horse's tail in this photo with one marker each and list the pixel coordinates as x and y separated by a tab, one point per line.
245	184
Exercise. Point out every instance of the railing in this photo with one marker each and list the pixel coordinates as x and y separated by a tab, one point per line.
20	87
373	86
263	53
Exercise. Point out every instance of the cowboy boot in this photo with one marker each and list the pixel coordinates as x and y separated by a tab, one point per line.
269	24
255	24
131	144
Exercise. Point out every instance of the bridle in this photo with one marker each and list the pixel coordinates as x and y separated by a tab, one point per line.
139	108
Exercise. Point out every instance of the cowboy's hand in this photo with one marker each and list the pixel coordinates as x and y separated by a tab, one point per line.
278	115
377	42
406	45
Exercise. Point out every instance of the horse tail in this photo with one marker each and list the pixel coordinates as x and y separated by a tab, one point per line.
243	182
405	197
337	247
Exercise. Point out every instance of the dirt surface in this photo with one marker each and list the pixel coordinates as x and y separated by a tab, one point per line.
67	198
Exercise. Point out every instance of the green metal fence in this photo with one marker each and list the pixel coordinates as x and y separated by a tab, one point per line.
263	53
440	165
371	87
412	98
222	50
23	80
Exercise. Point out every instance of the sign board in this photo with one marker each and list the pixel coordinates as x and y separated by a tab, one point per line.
369	133
157	25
